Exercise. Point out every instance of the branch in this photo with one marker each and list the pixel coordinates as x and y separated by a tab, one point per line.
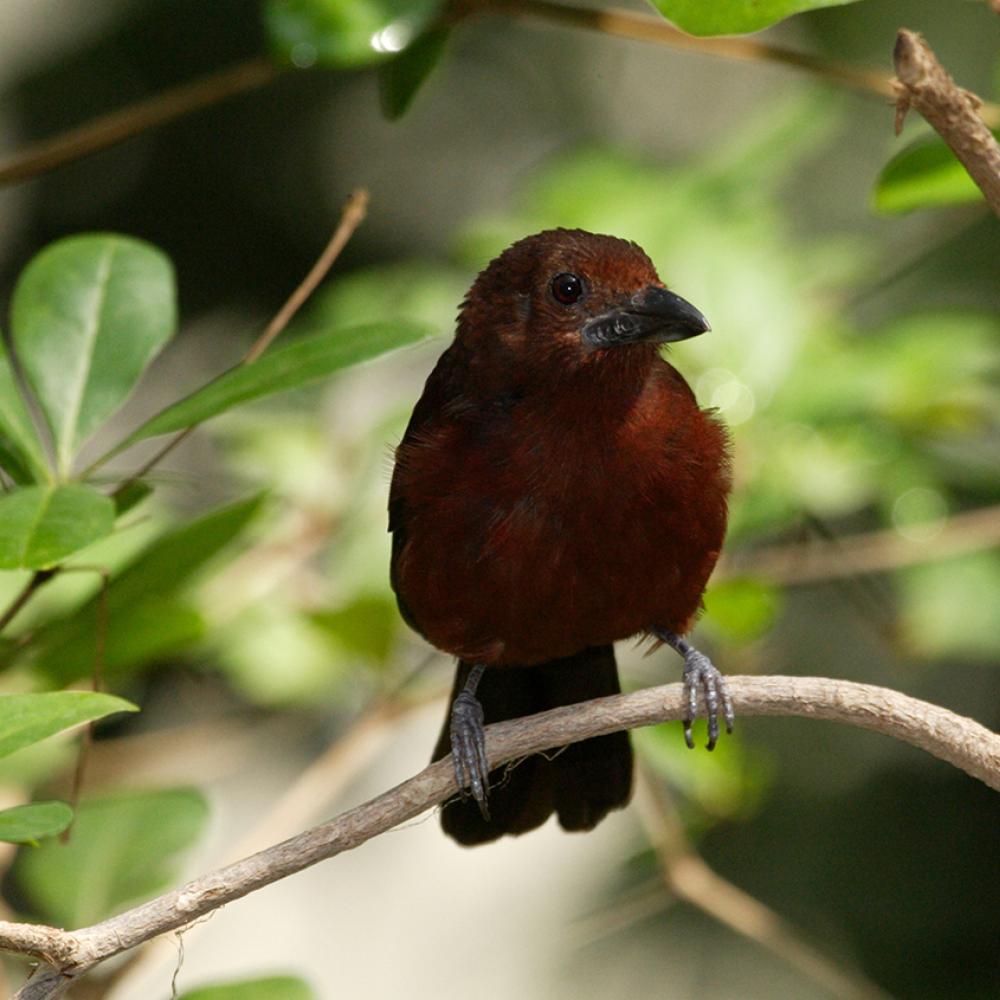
350	218
952	738
866	552
114	128
955	114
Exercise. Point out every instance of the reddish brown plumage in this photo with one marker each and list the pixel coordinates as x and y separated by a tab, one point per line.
549	495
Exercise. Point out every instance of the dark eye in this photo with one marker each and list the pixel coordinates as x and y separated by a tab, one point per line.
567	288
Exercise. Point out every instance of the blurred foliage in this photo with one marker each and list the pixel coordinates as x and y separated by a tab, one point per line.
856	363
123	848
271	988
732	17
926	174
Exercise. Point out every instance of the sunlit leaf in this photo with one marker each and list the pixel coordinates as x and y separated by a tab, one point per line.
31	823
924	175
734	17
18	435
399	79
949	607
725	783
742	609
366	626
345	33
39	525
304	361
87	316
270	988
123	849
28	718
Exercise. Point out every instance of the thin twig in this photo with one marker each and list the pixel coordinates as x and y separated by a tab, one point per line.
38	579
111	129
97	684
689	877
952	738
652	28
350	219
956	114
866	552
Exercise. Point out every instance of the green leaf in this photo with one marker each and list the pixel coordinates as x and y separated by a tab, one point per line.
366	626
742	609
399	79
29	718
31	823
133	495
304	361
145	617
270	988
87	316
949	608
734	17
39	525
122	850
345	33
924	175
19	434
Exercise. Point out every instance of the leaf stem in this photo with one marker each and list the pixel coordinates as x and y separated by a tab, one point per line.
38	579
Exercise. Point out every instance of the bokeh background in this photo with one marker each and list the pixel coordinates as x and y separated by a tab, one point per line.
854	354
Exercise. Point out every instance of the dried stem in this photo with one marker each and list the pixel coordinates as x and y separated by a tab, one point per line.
111	129
956	114
689	877
960	741
38	579
350	218
866	552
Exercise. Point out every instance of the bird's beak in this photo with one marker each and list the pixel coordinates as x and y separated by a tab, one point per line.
652	315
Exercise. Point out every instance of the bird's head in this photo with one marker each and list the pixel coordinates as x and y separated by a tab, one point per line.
565	296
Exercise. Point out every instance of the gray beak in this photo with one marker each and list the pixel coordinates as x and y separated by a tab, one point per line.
653	315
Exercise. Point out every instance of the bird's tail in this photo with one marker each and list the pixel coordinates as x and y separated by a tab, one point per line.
581	784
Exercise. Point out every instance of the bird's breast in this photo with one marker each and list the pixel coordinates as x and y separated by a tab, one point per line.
544	532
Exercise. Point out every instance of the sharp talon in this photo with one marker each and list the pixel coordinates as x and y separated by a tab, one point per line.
468	750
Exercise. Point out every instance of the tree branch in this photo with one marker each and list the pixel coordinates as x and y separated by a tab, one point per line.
954	113
114	128
952	738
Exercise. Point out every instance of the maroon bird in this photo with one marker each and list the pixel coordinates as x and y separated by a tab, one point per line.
557	489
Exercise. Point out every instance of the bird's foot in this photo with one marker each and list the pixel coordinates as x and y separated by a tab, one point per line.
468	749
701	674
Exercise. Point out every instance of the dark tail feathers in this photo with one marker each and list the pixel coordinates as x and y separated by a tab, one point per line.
582	784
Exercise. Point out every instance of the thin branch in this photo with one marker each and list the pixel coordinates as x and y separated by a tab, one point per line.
38	579
114	128
952	738
350	218
689	877
866	552
652	28
957	115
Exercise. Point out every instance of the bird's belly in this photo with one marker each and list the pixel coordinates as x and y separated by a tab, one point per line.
540	579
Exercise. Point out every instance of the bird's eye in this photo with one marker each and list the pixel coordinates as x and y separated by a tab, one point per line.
567	288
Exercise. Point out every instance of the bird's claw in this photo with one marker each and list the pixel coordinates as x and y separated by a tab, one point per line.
468	750
701	673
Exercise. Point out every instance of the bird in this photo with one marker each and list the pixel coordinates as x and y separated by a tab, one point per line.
557	489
